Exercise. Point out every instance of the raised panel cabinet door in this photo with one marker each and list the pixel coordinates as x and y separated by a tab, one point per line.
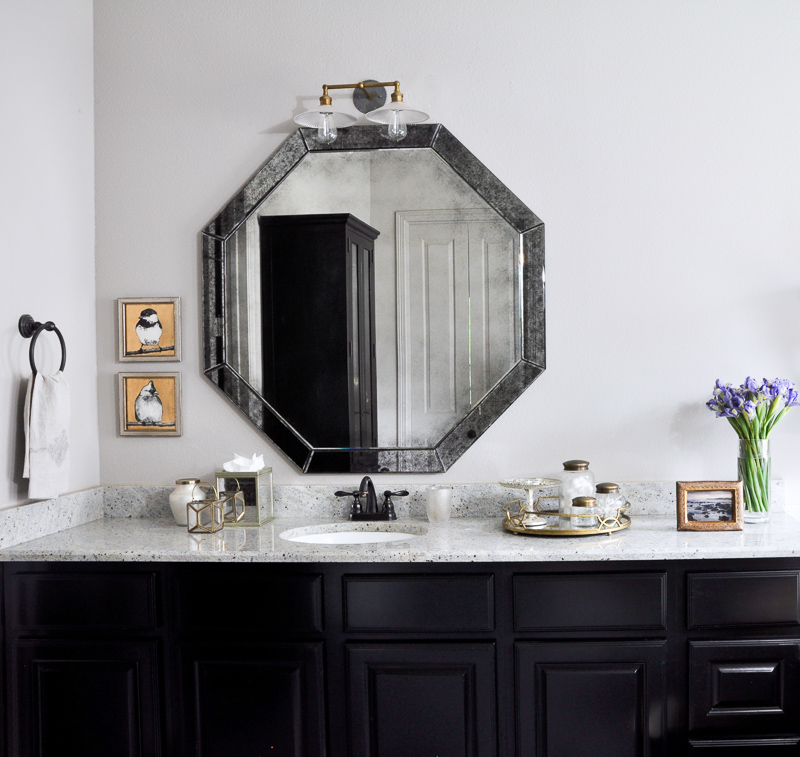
264	699
606	699
747	687
409	700
95	699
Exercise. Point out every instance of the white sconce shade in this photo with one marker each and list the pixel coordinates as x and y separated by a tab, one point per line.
325	120
397	116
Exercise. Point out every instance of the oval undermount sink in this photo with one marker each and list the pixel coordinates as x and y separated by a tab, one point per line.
353	533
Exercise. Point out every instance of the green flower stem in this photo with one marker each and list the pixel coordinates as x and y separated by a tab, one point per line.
754	470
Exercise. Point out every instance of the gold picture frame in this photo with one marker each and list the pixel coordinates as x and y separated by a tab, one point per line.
149	328
710	505
150	404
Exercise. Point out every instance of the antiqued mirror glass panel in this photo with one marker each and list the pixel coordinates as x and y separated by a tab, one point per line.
377	307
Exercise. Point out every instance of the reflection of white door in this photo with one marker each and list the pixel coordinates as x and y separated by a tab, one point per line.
457	326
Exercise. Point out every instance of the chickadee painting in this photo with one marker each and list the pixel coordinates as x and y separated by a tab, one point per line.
148	408
149	328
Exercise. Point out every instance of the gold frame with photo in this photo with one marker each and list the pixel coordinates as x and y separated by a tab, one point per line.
167	388
130	347
684	488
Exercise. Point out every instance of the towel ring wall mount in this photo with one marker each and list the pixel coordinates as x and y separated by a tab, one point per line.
30	329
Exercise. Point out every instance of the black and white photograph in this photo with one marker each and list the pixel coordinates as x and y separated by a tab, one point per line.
709	505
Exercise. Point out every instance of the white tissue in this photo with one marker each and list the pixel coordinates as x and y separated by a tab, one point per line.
240	464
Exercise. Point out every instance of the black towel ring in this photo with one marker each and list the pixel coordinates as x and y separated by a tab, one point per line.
30	328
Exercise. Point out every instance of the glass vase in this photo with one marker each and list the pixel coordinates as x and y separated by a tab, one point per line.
754	471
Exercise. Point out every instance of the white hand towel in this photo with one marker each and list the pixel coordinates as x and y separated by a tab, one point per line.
47	436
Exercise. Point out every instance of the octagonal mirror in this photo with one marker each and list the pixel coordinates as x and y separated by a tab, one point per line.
373	306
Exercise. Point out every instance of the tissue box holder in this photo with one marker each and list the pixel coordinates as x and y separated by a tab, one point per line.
256	487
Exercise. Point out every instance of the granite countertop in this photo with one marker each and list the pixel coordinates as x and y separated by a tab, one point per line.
650	537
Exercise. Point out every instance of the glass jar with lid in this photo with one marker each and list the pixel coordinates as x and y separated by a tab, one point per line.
609	499
584	507
576	481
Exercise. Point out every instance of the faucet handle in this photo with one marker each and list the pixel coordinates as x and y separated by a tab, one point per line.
355	509
388	505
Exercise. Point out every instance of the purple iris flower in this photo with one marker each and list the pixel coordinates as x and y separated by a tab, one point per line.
749	407
751	385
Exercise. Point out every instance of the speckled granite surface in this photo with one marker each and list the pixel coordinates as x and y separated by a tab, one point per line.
468	500
461	540
26	522
299	504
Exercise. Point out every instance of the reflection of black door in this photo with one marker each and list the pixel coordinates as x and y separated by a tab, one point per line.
318	290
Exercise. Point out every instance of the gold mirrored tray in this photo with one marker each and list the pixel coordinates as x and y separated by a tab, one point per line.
532	520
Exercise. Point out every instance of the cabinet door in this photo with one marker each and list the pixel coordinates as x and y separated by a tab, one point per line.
96	699
603	698
422	699
253	700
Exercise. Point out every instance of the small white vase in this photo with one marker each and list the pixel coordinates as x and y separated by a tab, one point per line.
180	496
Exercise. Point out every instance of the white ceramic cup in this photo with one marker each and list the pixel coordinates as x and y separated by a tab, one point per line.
438	503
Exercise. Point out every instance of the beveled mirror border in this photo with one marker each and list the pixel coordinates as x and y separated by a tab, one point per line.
264	181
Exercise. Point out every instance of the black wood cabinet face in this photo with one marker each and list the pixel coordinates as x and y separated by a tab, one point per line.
746	748
607	699
750	686
252	700
96	699
422	699
400	660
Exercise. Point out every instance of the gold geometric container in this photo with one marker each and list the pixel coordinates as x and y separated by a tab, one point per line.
233	506
205	516
256	488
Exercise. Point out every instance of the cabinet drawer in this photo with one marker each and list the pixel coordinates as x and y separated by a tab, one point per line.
743	599
103	601
419	603
240	599
747	687
586	602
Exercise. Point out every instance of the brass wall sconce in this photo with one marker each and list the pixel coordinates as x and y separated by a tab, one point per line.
396	116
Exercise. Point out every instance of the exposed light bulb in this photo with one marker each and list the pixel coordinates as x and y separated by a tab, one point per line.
326	131
397	125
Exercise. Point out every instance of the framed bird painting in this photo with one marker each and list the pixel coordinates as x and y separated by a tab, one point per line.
149	329
150	404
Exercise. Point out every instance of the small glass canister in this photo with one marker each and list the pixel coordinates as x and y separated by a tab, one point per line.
584	507
576	481
609	500
256	488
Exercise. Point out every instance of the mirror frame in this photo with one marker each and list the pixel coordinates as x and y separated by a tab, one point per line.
436	459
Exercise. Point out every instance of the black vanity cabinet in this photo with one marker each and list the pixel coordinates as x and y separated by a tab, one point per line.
609	659
84	649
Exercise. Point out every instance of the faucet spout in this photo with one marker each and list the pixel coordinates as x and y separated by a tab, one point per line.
367	489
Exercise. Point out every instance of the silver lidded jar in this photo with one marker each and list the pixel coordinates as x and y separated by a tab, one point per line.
609	500
586	510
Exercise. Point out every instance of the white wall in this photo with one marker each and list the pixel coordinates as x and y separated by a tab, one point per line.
657	140
47	221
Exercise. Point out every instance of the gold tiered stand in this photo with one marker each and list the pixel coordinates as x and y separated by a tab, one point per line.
532	520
